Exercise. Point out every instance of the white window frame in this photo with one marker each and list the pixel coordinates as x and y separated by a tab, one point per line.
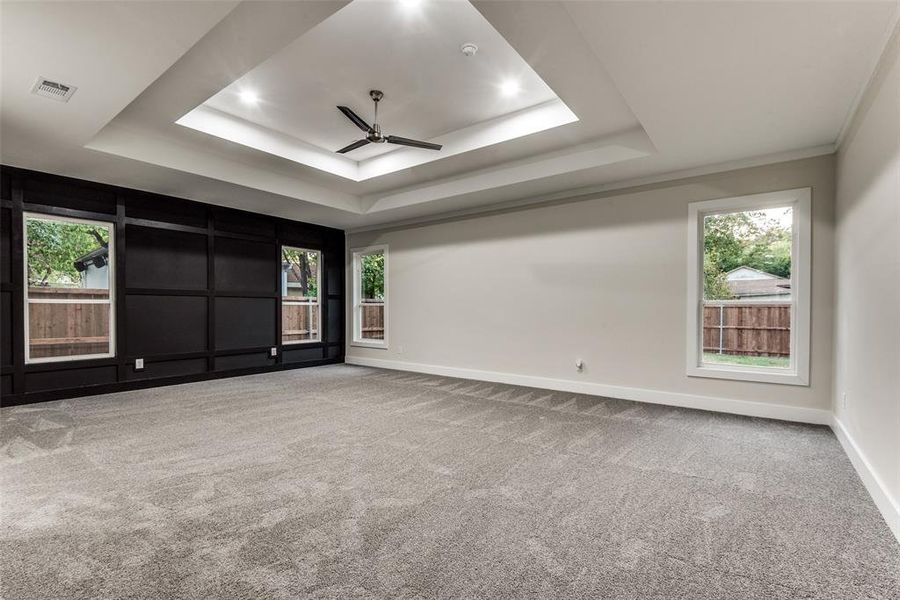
798	371
356	317
318	302
111	271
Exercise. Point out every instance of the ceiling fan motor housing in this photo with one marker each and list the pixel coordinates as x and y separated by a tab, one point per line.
375	135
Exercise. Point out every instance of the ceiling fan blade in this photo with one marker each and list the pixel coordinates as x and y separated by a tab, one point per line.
353	146
402	141
357	120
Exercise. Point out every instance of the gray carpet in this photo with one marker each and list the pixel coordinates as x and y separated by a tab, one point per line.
348	482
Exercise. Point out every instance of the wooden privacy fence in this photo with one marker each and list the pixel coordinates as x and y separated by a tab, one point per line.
747	328
299	320
372	320
67	321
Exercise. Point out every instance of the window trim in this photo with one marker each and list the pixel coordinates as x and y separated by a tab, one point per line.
798	373
356	324
318	339
111	274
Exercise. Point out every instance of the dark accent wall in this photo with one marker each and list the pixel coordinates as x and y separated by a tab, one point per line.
197	289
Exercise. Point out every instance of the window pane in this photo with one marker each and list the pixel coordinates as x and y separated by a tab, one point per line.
64	329
372	296
747	288
300	274
65	254
299	322
68	266
300	316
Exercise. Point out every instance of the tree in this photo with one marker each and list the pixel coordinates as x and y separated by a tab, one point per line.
739	239
715	284
303	265
53	247
726	236
373	276
770	252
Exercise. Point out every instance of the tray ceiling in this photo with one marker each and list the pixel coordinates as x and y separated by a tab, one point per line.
412	52
660	90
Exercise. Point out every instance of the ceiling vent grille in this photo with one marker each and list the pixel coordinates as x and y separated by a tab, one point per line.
52	89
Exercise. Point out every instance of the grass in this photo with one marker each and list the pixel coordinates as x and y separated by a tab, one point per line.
747	361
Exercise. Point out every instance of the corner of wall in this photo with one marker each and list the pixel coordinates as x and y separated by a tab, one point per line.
875	485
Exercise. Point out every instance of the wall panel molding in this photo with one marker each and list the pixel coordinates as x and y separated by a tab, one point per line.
178	264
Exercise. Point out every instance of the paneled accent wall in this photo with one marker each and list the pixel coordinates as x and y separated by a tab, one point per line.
197	289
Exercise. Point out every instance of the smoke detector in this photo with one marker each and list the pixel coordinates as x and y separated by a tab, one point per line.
52	89
469	49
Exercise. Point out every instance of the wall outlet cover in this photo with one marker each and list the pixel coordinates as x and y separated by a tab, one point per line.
139	364
273	352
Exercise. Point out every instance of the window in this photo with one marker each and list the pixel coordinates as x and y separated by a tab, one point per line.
370	275
748	293
68	269
301	295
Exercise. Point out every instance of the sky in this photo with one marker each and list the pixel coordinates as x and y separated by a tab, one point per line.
784	215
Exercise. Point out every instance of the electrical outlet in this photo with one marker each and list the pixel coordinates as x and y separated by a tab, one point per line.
844	401
273	351
399	349
139	364
579	365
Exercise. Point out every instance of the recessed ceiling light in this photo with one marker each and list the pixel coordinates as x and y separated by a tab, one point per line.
510	88
249	97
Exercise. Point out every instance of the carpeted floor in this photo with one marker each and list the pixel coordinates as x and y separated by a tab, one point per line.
349	482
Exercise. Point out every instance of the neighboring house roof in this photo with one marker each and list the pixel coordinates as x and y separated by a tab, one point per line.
97	257
748	288
748	273
293	272
747	282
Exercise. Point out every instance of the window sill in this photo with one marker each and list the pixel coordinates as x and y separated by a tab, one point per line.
781	376
377	345
71	358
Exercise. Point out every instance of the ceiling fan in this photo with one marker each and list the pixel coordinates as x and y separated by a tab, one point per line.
373	133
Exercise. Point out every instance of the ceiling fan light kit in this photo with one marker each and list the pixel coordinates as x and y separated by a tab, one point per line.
373	132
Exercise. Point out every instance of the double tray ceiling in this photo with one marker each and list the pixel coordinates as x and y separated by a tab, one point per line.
411	51
609	92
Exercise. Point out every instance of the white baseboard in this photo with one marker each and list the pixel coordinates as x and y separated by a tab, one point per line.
887	504
739	407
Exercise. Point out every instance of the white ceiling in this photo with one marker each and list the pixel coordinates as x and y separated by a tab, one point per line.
109	51
657	87
409	52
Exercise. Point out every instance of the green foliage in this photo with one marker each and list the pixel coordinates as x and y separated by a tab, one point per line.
750	361
742	239
373	276
304	265
715	285
53	247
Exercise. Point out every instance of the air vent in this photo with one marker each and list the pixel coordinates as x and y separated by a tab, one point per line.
52	89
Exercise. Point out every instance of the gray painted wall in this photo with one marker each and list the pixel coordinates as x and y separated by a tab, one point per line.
528	291
867	354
